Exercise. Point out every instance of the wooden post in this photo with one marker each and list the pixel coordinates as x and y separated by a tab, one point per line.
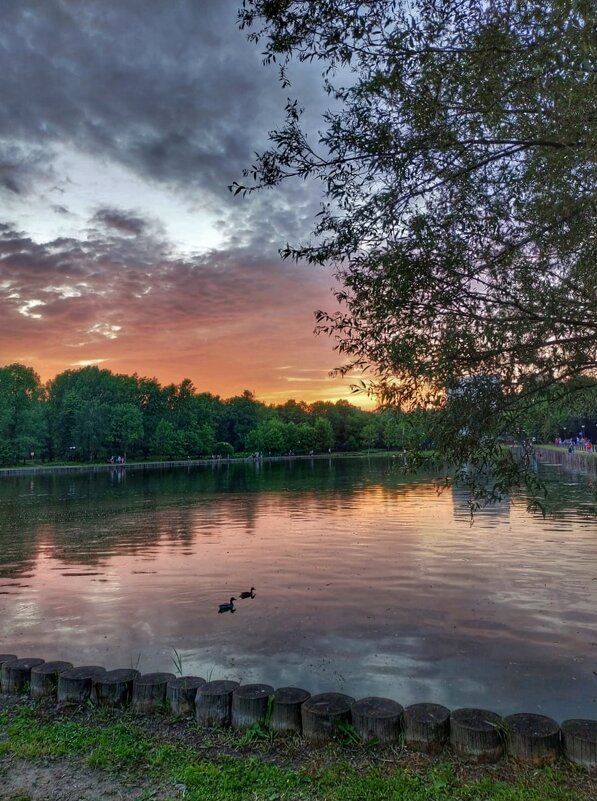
249	704
74	685
114	688
4	658
426	727
149	691
286	711
321	714
181	694
477	733
377	718
44	678
580	741
533	738
213	703
16	675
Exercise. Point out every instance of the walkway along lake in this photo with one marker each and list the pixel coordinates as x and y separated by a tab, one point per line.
367	581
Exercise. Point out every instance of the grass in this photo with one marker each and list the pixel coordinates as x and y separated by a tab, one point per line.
118	744
562	449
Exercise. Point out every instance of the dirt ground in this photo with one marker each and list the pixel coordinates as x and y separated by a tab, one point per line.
68	780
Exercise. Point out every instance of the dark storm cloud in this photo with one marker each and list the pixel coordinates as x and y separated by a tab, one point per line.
171	89
124	222
21	166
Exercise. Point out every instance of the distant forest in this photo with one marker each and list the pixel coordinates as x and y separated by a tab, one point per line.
92	414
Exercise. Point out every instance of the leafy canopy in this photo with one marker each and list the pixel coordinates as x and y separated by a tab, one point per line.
458	162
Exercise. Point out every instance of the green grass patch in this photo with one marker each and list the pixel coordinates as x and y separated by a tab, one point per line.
561	449
120	746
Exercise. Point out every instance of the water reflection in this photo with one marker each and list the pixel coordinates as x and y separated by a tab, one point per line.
368	581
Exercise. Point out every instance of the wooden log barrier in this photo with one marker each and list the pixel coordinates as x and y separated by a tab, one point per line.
321	714
377	718
426	727
249	704
75	684
286	710
16	674
580	741
4	658
181	693
534	739
477	733
149	691
213	703
114	688
44	678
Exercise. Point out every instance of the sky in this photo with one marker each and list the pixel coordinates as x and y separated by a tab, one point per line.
122	123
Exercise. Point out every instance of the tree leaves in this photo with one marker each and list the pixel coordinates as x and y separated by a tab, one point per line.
459	168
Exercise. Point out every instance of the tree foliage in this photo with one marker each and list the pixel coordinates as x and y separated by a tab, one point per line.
93	414
458	163
22	425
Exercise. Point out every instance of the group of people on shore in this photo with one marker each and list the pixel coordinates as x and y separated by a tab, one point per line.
579	442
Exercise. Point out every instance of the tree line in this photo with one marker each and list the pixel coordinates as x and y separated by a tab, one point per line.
92	414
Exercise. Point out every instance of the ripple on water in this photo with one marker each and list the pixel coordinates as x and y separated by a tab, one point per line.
365	581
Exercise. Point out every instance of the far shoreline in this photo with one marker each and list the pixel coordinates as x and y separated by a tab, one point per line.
552	454
102	467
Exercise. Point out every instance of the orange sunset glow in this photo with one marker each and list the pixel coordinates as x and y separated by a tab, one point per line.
120	243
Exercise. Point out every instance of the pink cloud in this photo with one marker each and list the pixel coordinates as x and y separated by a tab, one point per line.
226	320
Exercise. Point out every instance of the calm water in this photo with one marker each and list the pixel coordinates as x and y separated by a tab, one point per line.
366	581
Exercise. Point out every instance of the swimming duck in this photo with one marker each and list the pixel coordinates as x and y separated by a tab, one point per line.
250	594
227	607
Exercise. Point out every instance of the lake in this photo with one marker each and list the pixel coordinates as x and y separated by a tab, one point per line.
367	581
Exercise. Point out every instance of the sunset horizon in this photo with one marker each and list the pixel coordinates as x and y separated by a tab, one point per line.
338	391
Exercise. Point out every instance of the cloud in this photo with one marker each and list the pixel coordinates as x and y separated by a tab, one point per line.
22	167
173	91
120	122
226	318
123	222
87	362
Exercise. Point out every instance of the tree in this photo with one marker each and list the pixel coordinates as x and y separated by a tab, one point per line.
268	437
126	425
80	404
563	410
346	421
167	441
370	435
198	440
90	425
293	412
22	425
152	401
459	169
240	415
323	434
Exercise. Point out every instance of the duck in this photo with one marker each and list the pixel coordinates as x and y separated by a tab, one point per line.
249	594
229	607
